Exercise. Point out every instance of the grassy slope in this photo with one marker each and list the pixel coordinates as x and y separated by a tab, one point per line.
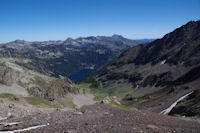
101	94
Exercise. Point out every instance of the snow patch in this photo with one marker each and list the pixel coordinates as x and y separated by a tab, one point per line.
163	62
10	124
25	129
3	118
166	111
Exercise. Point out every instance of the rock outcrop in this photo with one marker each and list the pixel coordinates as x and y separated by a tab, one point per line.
7	75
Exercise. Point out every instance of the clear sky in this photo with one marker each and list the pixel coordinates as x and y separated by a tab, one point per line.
36	20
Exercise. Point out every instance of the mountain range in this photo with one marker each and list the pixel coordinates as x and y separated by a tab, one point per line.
152	76
122	85
65	58
41	69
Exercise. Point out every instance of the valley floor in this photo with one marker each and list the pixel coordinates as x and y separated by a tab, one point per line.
93	118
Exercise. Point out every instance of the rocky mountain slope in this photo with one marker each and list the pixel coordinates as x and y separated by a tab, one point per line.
65	58
96	118
39	89
153	76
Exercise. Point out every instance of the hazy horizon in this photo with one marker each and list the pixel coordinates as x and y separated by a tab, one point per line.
76	38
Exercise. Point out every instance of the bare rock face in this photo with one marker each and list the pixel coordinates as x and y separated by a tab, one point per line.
40	86
53	89
106	100
7	75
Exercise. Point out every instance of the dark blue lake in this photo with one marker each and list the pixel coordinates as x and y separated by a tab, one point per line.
80	75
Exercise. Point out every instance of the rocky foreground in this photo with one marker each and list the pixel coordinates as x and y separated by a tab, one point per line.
98	119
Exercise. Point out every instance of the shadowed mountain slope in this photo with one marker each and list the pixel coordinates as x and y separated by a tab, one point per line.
158	73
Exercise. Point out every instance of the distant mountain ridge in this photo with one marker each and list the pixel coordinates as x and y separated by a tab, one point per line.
65	58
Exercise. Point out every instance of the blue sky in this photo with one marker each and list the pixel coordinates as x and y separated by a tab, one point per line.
37	20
